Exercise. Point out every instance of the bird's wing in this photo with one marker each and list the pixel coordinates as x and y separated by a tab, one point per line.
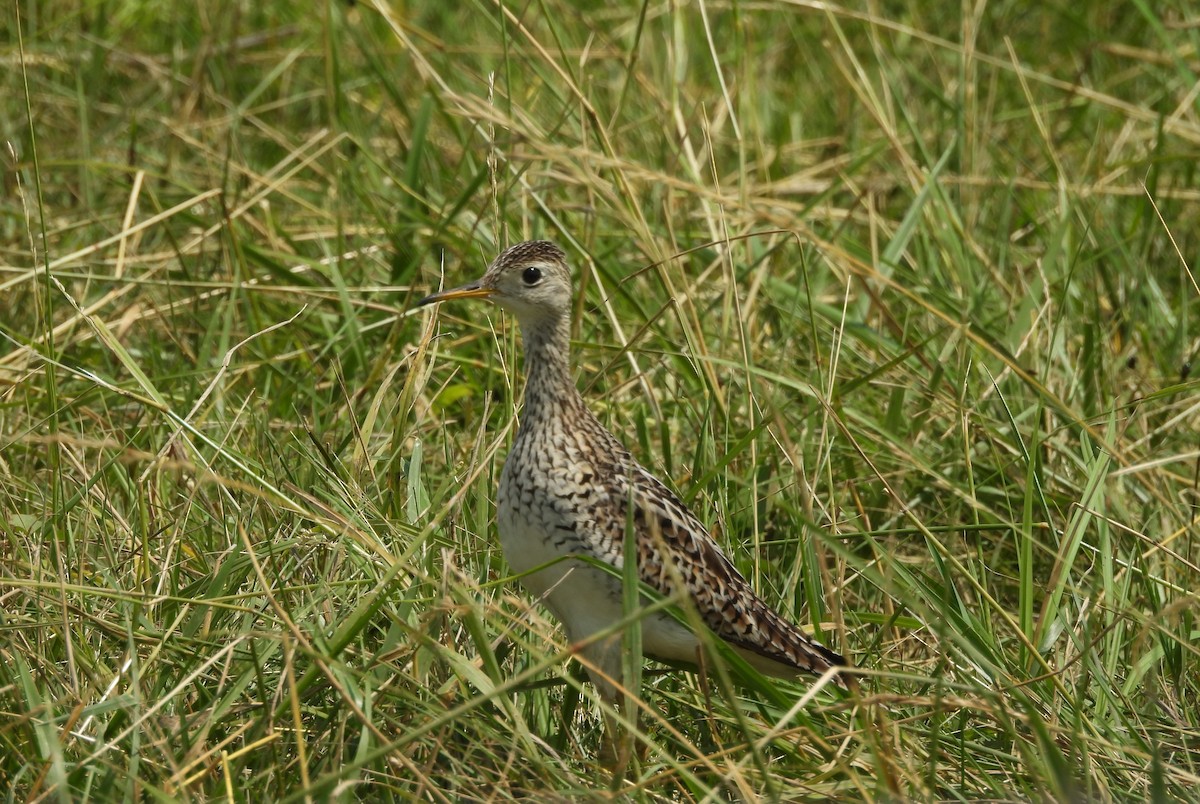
674	548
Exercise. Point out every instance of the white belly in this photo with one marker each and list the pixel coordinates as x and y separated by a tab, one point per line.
586	599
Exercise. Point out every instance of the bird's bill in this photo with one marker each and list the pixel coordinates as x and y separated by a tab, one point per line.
471	290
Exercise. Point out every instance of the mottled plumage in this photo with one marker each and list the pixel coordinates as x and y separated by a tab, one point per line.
566	490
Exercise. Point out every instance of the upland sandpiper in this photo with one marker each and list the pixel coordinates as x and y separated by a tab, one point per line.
567	488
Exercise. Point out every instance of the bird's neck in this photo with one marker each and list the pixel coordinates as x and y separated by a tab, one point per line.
548	383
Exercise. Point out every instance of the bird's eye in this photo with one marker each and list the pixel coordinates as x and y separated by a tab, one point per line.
531	275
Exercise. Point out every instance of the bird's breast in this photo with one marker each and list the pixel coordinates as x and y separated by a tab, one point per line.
549	503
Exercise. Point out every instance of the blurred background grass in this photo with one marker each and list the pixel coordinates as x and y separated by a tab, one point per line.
900	299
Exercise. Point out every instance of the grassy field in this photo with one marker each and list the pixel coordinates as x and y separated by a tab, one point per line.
902	302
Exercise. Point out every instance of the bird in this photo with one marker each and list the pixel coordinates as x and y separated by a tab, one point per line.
569	490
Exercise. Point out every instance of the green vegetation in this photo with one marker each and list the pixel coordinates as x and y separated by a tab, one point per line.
902	301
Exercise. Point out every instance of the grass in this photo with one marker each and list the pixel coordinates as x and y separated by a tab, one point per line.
901	301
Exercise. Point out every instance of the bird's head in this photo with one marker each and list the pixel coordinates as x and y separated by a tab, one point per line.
530	280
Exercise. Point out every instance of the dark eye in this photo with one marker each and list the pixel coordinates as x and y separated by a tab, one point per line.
531	275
